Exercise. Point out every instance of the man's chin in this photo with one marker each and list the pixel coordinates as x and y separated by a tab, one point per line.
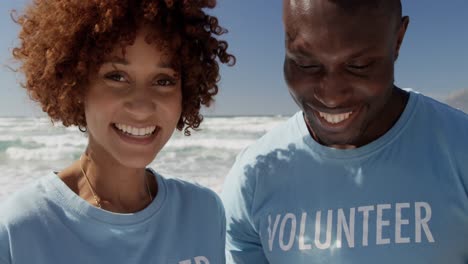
339	141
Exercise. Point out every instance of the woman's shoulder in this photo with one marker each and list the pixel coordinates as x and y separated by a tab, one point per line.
190	193
190	189
26	203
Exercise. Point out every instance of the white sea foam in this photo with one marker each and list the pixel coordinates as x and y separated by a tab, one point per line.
30	148
207	143
42	154
64	140
242	124
8	138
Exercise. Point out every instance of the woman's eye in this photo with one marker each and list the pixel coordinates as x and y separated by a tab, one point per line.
115	77
165	82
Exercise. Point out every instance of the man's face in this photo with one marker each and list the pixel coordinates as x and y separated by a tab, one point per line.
339	68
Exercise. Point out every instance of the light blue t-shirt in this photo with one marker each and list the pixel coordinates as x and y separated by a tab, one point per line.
403	198
48	223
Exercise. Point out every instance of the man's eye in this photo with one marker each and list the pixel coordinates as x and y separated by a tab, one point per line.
117	77
360	66
307	66
312	66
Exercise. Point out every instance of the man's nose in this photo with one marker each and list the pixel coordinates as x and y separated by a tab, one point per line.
333	91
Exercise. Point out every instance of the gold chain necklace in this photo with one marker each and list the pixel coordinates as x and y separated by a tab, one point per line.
96	198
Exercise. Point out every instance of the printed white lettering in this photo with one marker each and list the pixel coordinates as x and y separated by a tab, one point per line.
327	242
388	223
423	222
365	223
287	246
348	229
272	233
399	221
201	260
381	223
302	244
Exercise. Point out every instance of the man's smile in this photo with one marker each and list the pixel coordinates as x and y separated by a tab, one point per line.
335	119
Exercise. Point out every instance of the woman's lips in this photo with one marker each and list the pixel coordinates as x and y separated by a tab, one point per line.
137	139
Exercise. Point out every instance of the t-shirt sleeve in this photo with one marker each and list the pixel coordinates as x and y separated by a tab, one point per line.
4	245
221	234
223	230
243	243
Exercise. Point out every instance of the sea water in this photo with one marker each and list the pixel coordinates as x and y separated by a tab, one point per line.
32	147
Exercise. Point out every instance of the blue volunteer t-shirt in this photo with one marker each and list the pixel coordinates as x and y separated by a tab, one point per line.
400	199
48	223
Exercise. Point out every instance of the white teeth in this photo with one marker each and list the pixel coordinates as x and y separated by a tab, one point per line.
335	118
146	131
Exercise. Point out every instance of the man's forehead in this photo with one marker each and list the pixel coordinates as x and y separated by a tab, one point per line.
297	4
314	16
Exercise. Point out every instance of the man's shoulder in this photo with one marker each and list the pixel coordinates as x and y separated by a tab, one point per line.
442	125
443	116
281	137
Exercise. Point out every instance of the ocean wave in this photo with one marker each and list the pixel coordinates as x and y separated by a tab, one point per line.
37	141
209	143
15	142
30	147
15	121
242	124
43	154
61	140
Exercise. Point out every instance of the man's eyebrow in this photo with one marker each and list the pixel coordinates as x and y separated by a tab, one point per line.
362	51
298	51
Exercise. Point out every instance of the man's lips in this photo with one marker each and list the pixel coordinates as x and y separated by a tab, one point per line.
336	120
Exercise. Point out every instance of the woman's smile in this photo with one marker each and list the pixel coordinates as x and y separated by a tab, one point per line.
134	135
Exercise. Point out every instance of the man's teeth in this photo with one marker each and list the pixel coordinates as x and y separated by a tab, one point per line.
146	131
335	118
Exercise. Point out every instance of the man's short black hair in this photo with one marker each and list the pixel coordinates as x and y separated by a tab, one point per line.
391	7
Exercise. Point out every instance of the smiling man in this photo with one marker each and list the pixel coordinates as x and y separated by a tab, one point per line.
366	172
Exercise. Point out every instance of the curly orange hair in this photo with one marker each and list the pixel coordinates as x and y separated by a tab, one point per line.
61	41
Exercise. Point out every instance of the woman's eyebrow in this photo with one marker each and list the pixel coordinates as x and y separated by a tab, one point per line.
123	61
116	60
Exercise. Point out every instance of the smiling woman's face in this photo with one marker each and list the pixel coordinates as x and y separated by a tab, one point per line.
133	104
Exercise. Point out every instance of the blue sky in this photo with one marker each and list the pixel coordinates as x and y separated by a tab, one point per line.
433	59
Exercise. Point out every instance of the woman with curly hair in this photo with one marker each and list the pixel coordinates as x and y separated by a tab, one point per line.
126	72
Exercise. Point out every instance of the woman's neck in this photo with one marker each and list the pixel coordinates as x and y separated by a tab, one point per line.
107	184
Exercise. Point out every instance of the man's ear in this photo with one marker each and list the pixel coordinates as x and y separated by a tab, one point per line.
401	35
